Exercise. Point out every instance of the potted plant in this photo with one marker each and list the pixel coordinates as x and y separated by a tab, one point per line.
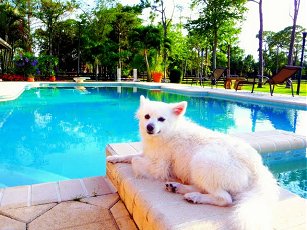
157	72
156	76
47	66
31	78
26	64
52	76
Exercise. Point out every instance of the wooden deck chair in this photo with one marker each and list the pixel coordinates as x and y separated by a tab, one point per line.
284	74
218	76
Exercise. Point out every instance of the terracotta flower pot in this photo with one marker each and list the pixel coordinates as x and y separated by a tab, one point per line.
31	79
52	78
156	76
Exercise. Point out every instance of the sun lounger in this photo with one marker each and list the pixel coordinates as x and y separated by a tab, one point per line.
283	75
218	76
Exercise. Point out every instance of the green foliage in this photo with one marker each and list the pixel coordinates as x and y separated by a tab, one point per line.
217	18
49	13
148	39
112	35
278	47
47	65
175	75
26	64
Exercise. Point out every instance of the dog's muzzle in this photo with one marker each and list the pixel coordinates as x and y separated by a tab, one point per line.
150	128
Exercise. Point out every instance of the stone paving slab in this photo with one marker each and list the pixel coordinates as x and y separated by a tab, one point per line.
27	214
7	223
72	214
23	196
105	212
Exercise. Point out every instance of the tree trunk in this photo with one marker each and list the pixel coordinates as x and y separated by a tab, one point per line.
260	82
214	50
147	66
296	9
228	57
29	26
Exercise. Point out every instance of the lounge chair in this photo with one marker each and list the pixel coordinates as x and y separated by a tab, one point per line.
284	74
218	76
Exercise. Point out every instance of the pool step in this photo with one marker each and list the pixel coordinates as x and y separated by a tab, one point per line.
153	208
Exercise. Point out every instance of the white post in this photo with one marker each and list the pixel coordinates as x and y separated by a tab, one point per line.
119	74
135	74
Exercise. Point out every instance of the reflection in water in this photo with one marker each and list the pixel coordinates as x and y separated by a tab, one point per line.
64	132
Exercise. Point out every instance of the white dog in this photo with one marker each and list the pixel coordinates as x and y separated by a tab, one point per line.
212	168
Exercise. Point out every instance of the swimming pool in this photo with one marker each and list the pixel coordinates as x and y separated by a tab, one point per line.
51	134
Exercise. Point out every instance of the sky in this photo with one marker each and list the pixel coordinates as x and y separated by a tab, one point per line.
276	16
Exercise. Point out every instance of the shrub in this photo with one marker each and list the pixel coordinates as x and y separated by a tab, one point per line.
13	77
26	64
47	65
175	76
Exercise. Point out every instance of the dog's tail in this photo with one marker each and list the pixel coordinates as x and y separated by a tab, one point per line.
253	210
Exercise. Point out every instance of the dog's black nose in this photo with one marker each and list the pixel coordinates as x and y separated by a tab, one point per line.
150	128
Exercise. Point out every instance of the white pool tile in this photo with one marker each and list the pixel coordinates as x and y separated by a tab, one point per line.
123	149
44	193
96	186
71	190
15	197
282	144
1	194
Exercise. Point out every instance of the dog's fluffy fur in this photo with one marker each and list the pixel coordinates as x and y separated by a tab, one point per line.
207	167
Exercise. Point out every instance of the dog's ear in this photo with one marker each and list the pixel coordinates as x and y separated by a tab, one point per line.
143	100
180	108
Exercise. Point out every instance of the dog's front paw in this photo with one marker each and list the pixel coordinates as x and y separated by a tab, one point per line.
172	186
193	197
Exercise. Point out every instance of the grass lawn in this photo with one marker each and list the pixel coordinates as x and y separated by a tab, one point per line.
278	88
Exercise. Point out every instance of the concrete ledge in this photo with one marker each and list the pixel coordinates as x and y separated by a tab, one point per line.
153	208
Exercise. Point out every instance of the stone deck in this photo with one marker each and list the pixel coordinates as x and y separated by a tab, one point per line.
64	205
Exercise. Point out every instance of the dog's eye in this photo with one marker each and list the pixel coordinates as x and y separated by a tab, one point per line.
147	116
161	119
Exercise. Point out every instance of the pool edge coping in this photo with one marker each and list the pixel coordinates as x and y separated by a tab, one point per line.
299	102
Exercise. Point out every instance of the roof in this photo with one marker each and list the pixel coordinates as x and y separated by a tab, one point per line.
4	44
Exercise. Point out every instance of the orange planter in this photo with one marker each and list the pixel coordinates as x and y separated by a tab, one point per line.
31	79
156	76
52	78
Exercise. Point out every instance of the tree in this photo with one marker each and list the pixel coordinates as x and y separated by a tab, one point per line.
160	7
49	13
278	45
260	37
215	15
295	14
13	28
146	38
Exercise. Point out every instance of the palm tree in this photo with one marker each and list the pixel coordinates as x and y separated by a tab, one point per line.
146	38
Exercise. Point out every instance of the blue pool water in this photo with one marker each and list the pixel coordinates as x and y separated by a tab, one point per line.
50	134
